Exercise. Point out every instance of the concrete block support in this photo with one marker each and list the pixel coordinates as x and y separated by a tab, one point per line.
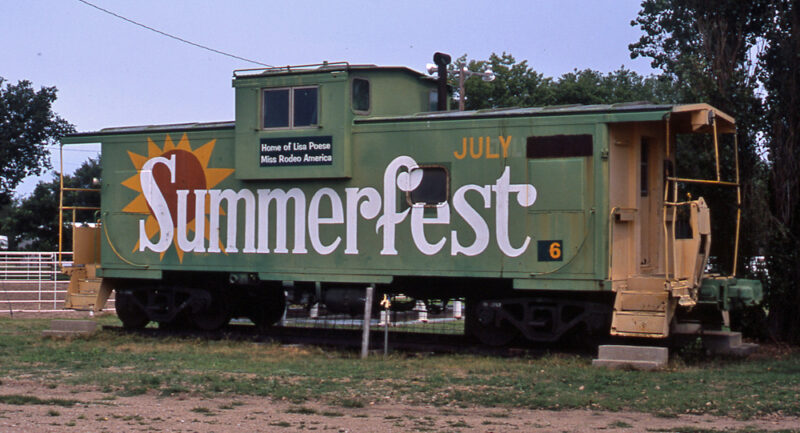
636	357
70	328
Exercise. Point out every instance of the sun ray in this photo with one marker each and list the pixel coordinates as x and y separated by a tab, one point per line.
137	160
152	149
138	205
168	144
133	183
203	153
184	144
217	175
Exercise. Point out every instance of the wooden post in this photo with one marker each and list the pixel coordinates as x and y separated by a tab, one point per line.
367	319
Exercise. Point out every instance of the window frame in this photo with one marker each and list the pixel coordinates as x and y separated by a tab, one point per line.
433	100
446	188
369	96
290	107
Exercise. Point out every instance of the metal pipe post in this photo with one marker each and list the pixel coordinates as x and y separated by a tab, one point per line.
367	319
60	199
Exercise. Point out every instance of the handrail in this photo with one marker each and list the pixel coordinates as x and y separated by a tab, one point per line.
703	181
675	180
82	189
62	207
289	68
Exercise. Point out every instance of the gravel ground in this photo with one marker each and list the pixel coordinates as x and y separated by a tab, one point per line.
101	412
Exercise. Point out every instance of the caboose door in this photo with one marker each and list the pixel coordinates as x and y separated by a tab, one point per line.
636	186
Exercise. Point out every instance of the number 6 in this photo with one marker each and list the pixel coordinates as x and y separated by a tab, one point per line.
555	250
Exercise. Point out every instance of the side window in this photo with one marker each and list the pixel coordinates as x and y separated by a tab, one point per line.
305	106
276	108
645	173
360	95
433	188
433	100
296	107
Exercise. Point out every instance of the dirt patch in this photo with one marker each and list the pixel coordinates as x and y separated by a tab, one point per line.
74	408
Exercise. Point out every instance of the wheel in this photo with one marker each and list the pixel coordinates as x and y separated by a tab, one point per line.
268	307
181	322
481	323
213	315
129	310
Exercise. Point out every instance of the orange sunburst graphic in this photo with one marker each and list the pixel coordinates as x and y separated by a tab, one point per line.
192	173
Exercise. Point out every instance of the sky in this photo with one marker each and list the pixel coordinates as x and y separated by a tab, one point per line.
112	73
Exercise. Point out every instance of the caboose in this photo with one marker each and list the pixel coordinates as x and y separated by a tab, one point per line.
335	177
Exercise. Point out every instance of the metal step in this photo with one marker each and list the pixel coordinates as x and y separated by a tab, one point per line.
643	309
86	293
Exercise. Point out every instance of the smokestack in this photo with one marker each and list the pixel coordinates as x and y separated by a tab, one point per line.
442	60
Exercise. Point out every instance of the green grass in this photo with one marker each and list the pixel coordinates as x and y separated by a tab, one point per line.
203	410
17	399
125	365
301	410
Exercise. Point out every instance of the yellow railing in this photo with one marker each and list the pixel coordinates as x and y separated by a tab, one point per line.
674	203
62	208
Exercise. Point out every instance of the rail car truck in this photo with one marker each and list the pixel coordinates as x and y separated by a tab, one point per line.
334	177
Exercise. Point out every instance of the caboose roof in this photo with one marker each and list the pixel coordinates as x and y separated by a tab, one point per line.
322	67
686	116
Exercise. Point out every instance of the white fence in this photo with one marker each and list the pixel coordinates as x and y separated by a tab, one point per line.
32	281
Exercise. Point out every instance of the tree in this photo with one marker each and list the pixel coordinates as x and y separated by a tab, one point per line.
517	85
32	222
623	85
27	126
706	49
780	73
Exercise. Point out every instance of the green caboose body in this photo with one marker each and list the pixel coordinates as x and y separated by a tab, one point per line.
334	177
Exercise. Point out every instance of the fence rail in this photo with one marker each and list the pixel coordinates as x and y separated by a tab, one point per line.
32	281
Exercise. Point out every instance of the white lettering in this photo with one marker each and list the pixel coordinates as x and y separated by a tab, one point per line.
391	181
526	195
215	197
473	219
198	243
319	146
270	147
314	220
418	222
361	203
369	210
158	205
281	198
